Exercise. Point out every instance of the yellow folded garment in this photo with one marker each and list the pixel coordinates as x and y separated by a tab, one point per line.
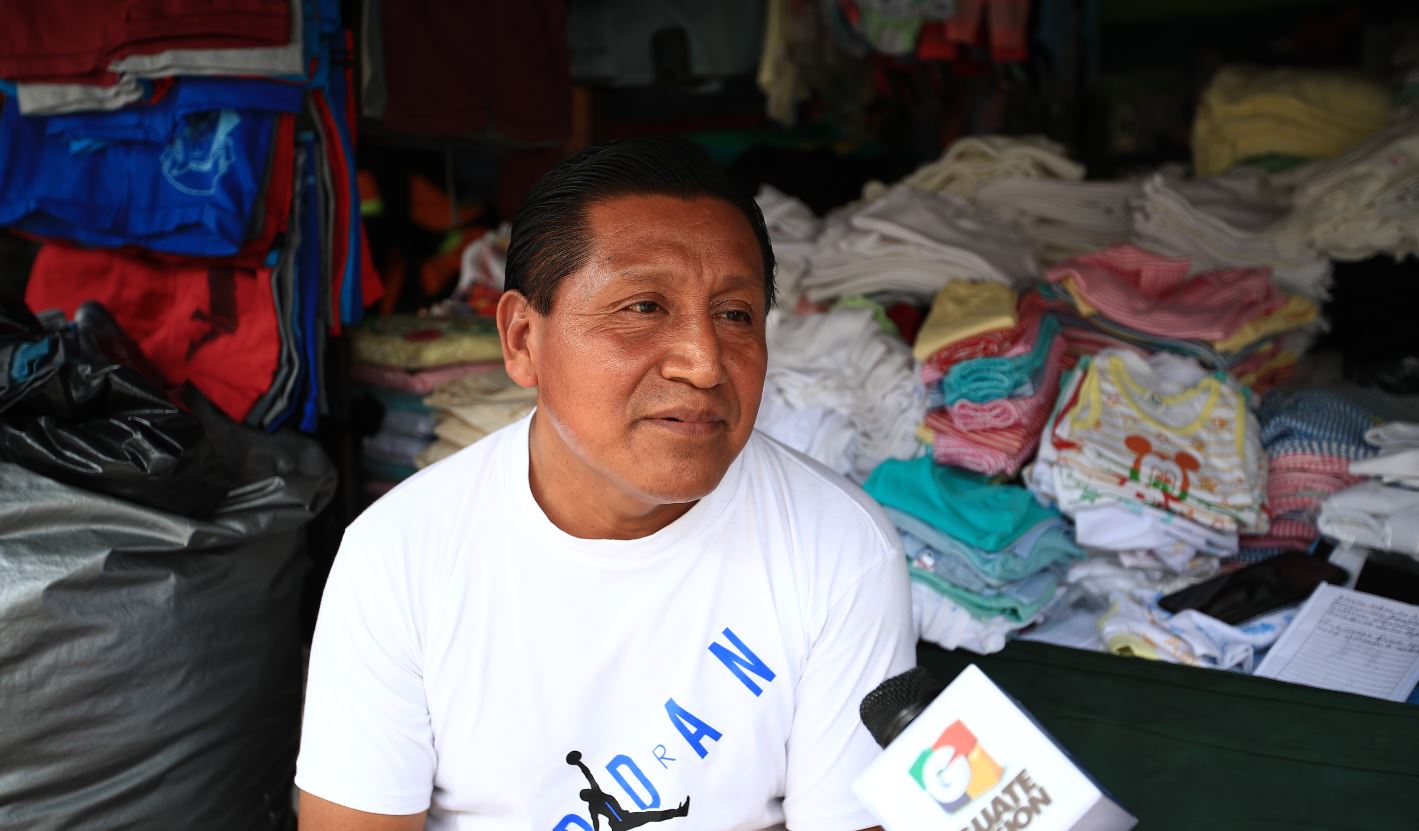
1296	312
412	342
1280	362
1248	112
1081	305
962	310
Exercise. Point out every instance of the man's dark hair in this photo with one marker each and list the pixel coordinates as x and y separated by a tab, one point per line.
551	235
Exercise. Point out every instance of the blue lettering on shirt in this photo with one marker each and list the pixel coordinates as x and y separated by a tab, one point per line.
691	727
623	762
742	660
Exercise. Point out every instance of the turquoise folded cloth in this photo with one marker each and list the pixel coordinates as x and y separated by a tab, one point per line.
986	379
963	505
1049	543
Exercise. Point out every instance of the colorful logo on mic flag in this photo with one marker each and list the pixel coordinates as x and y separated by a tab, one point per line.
956	769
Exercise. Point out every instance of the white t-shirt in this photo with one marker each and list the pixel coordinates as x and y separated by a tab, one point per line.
466	646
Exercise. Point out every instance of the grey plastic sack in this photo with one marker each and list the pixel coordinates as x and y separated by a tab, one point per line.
150	664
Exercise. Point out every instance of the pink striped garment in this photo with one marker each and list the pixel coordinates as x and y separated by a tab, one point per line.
1008	412
1153	293
1002	450
417	381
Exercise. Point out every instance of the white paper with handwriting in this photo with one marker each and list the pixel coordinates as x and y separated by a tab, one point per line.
1349	641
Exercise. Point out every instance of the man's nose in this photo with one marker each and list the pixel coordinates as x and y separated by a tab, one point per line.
694	354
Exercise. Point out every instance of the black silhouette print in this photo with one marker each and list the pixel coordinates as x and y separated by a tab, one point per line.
602	804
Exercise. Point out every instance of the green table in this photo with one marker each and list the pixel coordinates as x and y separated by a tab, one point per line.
1190	748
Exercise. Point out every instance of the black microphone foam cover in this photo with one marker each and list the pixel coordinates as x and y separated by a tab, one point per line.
887	710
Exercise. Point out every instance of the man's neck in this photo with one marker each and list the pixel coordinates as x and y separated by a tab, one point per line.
583	504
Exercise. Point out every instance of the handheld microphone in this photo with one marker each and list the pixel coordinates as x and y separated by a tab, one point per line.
896	702
965	755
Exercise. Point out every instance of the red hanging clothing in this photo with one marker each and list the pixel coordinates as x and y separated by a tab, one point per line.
76	40
213	326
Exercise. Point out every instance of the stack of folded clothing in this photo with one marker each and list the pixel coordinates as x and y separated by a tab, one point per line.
194	164
794	231
406	428
407	424
1311	439
470	408
912	242
228	242
1154	456
1062	218
412	342
1233	319
1359	204
400	359
991	368
1215	223
988	550
88	55
1252	113
1381	512
972	162
840	389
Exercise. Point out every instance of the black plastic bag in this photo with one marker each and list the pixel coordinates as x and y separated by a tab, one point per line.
81	404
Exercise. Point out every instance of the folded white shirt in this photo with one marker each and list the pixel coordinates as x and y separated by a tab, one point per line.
1373	515
941	621
1062	218
1397	467
1394	435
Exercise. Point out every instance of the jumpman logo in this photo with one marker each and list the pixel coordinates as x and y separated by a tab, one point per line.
602	804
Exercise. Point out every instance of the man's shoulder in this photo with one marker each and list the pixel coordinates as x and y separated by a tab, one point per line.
441	493
812	490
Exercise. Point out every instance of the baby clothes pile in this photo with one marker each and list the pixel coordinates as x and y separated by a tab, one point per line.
471	407
1381	512
991	367
1154	456
840	389
914	243
1234	319
1222	222
1311	439
1137	626
985	559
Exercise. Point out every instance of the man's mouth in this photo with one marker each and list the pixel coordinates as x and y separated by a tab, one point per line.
687	422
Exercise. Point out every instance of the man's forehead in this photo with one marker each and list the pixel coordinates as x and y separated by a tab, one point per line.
644	235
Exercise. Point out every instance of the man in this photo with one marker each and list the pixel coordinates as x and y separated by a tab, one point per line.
630	576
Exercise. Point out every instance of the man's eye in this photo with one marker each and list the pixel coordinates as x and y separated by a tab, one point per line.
739	316
644	307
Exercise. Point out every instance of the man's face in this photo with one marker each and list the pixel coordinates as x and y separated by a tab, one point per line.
651	363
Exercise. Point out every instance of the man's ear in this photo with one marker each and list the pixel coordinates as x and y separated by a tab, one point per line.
516	317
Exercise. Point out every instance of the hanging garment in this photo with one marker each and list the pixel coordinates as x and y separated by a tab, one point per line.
209	325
